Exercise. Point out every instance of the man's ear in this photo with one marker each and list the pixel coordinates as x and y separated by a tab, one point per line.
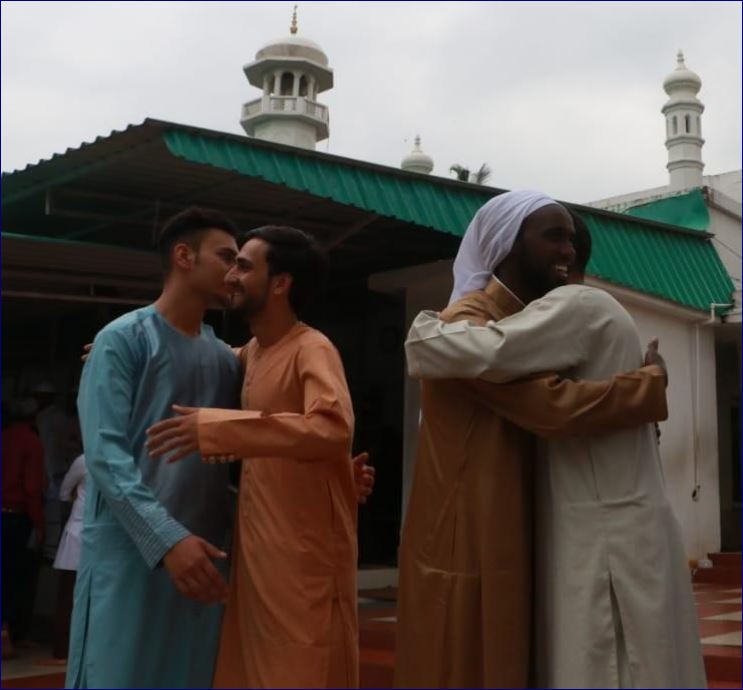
184	256
282	283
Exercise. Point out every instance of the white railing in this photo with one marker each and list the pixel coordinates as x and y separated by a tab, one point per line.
285	104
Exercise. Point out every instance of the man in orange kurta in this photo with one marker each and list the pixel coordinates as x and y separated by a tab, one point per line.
290	619
464	607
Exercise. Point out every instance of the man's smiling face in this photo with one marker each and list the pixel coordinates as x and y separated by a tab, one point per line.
544	247
250	277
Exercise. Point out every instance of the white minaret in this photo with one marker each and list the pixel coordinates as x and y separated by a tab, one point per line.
291	71
683	111
416	160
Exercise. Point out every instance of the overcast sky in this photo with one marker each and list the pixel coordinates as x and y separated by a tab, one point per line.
564	97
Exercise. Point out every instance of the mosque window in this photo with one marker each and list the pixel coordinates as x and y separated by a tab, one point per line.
287	84
687	123
303	86
675	125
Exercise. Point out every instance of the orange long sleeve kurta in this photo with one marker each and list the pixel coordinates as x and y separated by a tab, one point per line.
464	604
290	619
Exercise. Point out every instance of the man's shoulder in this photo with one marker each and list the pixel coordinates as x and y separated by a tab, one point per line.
309	337
470	307
127	325
221	348
586	296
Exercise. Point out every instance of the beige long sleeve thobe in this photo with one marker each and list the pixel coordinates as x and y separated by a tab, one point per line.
465	567
290	619
614	605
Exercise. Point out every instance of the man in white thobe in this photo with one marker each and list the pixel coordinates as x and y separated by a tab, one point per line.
614	604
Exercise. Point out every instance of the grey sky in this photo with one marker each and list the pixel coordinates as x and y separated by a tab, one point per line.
565	97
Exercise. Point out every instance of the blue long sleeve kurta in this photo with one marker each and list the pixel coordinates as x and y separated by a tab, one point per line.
131	628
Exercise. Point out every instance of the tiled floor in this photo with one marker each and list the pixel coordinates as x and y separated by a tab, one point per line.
28	663
720	626
719	608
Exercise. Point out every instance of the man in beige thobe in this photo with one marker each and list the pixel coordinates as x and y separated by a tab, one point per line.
465	556
614	605
290	618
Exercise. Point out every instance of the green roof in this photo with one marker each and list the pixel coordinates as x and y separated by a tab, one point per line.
661	260
685	210
416	199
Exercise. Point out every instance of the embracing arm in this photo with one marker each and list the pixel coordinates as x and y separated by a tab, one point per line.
323	430
554	407
541	337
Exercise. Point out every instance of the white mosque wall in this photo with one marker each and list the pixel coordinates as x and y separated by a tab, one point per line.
727	241
728	183
688	442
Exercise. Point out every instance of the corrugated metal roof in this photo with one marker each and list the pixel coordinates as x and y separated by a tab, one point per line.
685	210
417	199
665	261
677	267
672	265
24	251
74	162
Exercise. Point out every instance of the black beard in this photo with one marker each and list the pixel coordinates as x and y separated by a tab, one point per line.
254	306
539	281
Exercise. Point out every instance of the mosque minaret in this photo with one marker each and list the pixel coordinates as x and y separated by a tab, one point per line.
291	71
683	112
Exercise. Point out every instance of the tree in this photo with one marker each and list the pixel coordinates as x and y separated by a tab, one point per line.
464	175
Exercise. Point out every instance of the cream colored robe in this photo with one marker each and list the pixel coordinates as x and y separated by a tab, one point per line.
610	559
464	604
291	618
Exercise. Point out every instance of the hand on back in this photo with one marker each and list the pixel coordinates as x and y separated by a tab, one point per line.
652	356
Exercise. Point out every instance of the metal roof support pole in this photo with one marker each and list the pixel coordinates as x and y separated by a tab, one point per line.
354	229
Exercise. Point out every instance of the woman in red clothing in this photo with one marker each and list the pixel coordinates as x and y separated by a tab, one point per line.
22	506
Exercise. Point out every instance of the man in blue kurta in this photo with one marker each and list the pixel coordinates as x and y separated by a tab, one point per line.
147	601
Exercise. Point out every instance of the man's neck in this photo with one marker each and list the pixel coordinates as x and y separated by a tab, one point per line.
181	308
269	326
512	278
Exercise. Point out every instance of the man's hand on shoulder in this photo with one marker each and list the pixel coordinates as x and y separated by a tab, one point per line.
652	356
189	564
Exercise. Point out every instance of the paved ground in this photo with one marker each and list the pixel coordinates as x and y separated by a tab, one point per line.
719	609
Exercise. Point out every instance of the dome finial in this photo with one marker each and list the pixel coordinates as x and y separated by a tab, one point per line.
417	161
680	58
293	27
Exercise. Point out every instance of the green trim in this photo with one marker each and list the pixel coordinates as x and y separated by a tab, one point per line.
686	210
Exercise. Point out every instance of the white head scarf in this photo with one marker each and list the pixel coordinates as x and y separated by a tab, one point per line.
490	237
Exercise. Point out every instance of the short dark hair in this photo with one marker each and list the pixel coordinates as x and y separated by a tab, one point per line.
582	243
297	253
189	226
